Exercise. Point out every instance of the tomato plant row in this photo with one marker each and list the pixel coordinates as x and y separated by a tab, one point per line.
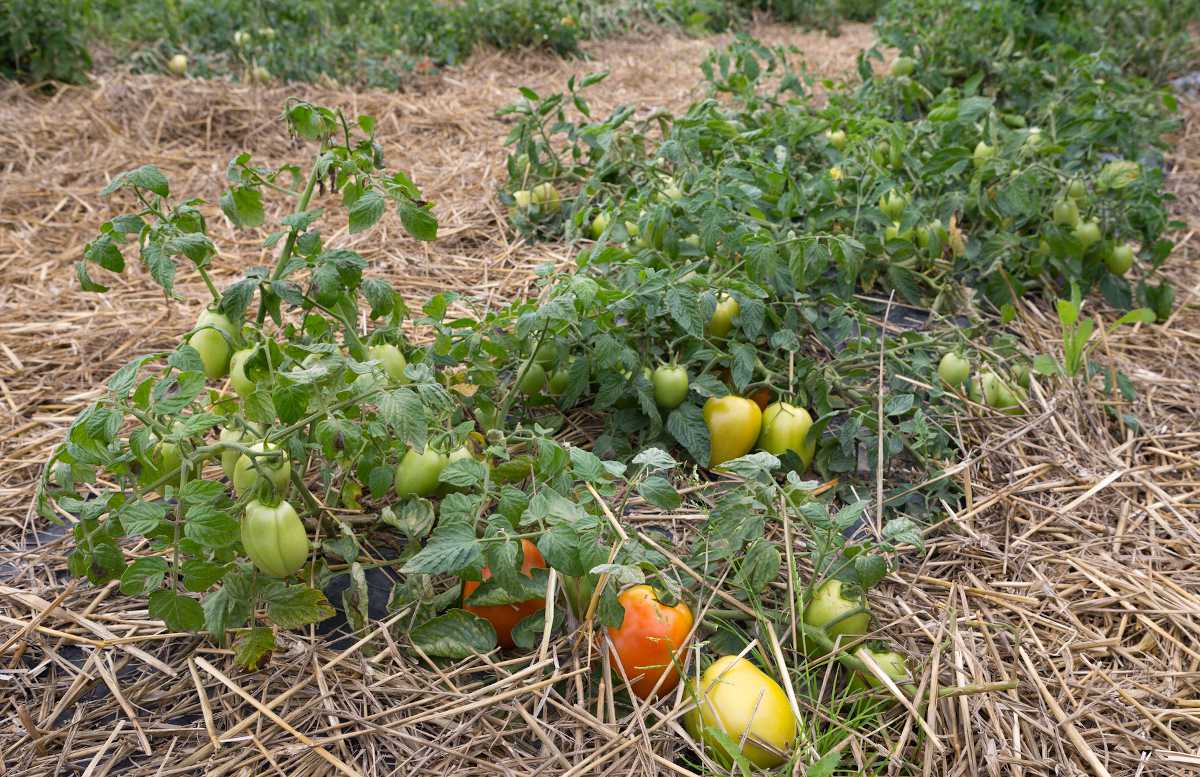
737	318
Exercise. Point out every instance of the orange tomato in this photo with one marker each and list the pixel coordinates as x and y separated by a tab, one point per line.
504	617
762	397
651	638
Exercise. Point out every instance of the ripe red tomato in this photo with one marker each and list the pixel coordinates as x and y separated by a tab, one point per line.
650	639
504	617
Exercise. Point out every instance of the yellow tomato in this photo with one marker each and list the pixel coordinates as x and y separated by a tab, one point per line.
733	427
735	697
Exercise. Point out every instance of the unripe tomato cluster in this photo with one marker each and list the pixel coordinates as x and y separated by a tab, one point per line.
987	388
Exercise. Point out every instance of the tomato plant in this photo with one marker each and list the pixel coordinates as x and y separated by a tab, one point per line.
651	641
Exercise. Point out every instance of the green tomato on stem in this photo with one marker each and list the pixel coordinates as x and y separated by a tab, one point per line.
391	359
274	538
417	474
670	385
785	428
722	318
247	470
839	615
533	380
954	369
211	340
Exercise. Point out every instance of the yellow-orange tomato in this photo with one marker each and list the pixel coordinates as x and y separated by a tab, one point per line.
650	640
505	617
733	424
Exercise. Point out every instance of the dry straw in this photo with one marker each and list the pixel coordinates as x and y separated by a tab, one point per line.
1056	617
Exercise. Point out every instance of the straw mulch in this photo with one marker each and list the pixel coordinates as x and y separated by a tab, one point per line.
1064	598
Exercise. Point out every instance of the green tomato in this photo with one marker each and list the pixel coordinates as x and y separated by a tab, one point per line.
559	380
545	195
599	224
953	369
983	154
1119	259
533	380
547	355
1077	190
839	616
893	665
242	384
1088	233
904	66
274	538
670	385
1066	213
836	138
213	332
722	318
998	394
391	359
230	456
523	198
893	204
785	428
974	392
417	474
246	474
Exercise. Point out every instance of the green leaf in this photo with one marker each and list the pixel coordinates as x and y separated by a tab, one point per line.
759	567
659	492
528	631
200	575
366	211
149	177
404	412
141	518
143	576
179	612
211	527
415	518
826	766
1045	365
417	221
1138	316
457	634
686	425
464	473
453	547
243	206
298	605
252	645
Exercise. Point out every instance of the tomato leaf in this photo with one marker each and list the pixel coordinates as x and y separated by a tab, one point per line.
528	631
660	493
250	647
179	612
294	606
415	518
452	548
143	576
455	634
686	425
